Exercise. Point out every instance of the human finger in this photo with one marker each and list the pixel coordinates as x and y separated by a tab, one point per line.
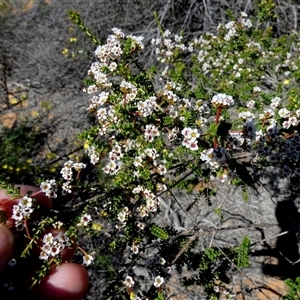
24	189
6	245
7	201
67	281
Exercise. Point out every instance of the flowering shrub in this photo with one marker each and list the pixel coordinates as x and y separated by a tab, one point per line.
208	110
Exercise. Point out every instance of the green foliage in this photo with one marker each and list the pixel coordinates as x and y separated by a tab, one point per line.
104	263
265	10
211	107
242	259
160	296
18	146
76	19
159	232
294	289
9	189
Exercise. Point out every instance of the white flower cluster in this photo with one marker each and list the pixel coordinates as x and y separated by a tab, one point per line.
291	121
116	153
287	65
112	168
275	102
166	47
152	201
267	114
256	89
284	113
53	245
231	27
49	187
246	116
235	140
215	157
190	138
105	113
151	132
97	101
290	118
114	165
250	104
112	49
22	210
222	100
147	107
136	42
231	30
244	21
123	216
171	96
129	91
216	62
108	55
91	152
172	134
148	152
67	174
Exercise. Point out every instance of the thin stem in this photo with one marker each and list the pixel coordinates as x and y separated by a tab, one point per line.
217	120
219	110
27	229
36	193
215	142
84	252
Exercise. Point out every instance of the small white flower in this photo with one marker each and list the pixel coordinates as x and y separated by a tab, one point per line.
45	186
286	124
256	89
250	104
17	213
135	248
161	169
79	166
284	113
222	100
141	225
25	202
49	187
43	255
129	282
48	238
58	224
88	259
158	281
85	219
216	289
54	250
122	216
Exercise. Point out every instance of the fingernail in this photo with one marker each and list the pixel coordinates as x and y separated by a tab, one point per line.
6	243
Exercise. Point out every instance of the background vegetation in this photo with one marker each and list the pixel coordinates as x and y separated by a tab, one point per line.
44	59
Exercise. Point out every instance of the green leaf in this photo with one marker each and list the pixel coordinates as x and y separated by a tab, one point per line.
159	232
242	259
160	296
